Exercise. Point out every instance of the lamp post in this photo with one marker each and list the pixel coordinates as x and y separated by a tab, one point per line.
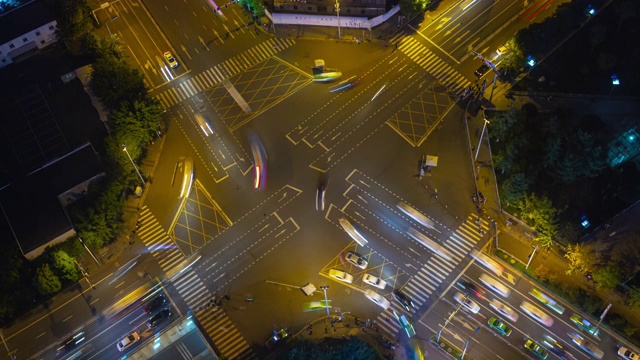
338	13
531	256
484	127
124	148
466	345
324	288
107	23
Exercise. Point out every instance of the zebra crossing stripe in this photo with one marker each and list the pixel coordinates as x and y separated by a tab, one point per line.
454	247
443	265
424	283
415	293
427	276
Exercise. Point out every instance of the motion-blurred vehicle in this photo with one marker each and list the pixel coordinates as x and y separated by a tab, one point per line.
536	349
483	69
70	344
259	162
586	345
158	318
276	339
536	314
155	304
627	354
403	299
585	324
547	300
356	259
495	285
341	275
406	324
170	60
466	302
415	215
374	281
187	177
316	305
377	298
430	244
504	310
128	342
353	231
320	192
555	347
499	326
204	125
502	50
484	260
471	288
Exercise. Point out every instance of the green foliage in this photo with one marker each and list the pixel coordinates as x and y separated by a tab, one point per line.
116	82
353	349
65	265
100	47
607	277
634	298
580	258
568	233
514	189
542	216
413	7
256	6
47	281
74	19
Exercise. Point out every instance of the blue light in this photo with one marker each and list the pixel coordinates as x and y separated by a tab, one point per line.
531	61
615	80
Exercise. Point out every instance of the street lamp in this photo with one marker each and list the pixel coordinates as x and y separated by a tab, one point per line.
107	23
466	345
338	13
124	148
326	301
531	256
484	127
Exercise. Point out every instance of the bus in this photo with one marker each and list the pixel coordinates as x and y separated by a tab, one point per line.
547	301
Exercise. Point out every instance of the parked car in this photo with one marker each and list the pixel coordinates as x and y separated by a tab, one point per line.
466	302
128	342
154	304
377	298
499	326
403	299
158	318
374	281
341	275
170	60
535	348
356	260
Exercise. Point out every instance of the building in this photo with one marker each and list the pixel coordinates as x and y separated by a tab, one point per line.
356	8
25	30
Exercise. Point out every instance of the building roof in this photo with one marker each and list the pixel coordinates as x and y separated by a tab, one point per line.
31	205
23	19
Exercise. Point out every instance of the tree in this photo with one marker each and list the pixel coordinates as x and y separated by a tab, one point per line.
580	258
607	277
47	281
74	19
514	189
256	6
542	215
115	82
413	7
66	265
634	298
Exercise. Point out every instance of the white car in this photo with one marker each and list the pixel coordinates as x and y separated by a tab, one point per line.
352	231
377	298
170	60
415	215
341	275
356	260
586	345
204	125
374	281
504	310
627	354
495	285
467	302
536	314
127	342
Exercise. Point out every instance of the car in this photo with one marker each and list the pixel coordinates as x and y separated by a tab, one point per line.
204	125
495	285
322	189
377	298
341	275
466	302
473	289
504	310
483	69
170	60
585	324
555	347
484	260
406	324
627	354
374	281
547	301
316	305
502	50
536	314
353	231
70	343
277	339
403	299
356	260
535	348
157	318
499	326
128	342
416	215
154	304
586	345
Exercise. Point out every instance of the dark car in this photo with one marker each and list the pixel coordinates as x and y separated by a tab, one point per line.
155	304
474	289
157	318
403	299
70	343
483	69
276	339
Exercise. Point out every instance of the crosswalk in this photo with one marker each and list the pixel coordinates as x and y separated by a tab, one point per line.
184	89
434	272
432	63
225	336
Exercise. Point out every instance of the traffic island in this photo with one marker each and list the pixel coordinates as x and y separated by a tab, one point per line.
446	347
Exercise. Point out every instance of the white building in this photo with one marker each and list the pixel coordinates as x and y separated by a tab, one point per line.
25	30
